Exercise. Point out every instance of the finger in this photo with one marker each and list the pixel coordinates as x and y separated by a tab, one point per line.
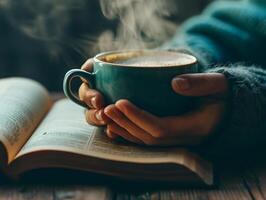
141	118
88	65
91	97
188	129
120	119
113	128
200	84
96	117
110	134
113	131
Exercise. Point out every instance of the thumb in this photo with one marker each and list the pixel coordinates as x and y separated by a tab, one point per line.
88	65
200	84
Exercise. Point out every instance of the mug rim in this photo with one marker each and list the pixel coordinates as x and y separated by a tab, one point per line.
96	58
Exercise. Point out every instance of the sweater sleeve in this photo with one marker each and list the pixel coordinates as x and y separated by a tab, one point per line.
244	128
232	35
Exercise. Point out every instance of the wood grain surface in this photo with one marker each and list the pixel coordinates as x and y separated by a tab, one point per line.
239	183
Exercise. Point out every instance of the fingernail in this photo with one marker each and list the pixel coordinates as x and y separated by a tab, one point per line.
111	112
108	133
98	115
181	83
93	102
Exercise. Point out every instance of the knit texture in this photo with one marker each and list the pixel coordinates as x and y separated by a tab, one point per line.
232	35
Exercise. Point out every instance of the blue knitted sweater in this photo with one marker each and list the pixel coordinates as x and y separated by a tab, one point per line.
230	38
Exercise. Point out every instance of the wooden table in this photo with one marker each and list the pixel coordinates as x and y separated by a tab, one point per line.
246	180
236	183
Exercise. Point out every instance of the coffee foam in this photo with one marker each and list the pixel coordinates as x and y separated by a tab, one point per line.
149	59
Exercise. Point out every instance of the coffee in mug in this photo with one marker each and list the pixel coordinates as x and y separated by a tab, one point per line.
140	76
162	59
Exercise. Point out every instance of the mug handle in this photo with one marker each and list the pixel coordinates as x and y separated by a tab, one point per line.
67	85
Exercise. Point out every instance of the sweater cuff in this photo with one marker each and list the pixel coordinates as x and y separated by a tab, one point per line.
240	129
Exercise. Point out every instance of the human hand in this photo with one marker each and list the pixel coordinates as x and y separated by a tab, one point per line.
94	100
139	126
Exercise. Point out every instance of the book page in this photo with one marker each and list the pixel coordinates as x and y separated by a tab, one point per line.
65	129
23	104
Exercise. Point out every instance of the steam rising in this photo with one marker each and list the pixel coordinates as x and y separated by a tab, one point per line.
142	23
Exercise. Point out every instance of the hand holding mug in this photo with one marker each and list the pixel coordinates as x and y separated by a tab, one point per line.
138	125
125	120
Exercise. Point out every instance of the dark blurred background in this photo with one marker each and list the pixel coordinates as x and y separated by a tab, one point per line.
46	57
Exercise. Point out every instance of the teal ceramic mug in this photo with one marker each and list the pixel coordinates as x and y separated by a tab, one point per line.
142	77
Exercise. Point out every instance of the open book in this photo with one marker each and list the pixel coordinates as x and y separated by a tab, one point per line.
37	133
